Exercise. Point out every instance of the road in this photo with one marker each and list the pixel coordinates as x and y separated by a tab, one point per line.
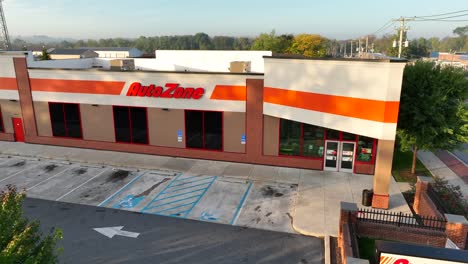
165	239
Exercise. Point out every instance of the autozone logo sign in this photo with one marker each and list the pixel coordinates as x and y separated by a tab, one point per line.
170	90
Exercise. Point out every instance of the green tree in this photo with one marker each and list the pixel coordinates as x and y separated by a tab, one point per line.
203	41
433	114
45	55
21	240
272	42
309	45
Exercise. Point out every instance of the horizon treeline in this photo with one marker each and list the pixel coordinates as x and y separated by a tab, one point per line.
310	45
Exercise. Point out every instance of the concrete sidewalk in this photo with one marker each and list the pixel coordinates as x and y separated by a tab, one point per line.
315	205
440	169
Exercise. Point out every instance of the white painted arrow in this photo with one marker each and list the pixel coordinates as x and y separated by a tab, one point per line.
110	232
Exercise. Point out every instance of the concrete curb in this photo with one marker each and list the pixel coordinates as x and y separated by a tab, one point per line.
84	162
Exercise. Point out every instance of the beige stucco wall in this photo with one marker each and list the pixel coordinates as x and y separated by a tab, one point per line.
97	122
41	110
383	167
9	109
270	135
233	127
163	126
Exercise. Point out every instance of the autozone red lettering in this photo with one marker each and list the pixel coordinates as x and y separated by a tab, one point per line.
170	90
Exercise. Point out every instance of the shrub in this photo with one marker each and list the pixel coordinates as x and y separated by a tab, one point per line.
450	196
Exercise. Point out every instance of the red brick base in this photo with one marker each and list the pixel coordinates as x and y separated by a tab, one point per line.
7	137
380	201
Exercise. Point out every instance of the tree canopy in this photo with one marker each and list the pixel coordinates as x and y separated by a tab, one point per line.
20	240
433	114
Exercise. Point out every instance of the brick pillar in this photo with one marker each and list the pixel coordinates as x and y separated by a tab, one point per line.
348	213
457	229
421	188
383	174
26	101
254	119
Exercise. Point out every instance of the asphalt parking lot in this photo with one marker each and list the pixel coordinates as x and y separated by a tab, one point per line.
187	195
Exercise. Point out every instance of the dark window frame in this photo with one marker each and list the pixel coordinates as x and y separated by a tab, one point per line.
2	125
374	152
325	138
65	120
203	130
301	142
130	125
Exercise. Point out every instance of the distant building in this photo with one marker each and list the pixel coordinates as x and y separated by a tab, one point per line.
459	59
117	52
62	54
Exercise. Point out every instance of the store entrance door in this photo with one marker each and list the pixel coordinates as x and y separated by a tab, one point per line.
331	155
339	156
347	156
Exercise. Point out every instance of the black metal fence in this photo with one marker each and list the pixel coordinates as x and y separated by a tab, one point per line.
401	219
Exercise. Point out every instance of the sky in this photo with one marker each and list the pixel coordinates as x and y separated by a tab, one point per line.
338	19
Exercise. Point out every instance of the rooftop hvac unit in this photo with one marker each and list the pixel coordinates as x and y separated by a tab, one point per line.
122	65
239	66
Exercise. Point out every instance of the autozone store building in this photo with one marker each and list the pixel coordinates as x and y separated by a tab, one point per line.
336	115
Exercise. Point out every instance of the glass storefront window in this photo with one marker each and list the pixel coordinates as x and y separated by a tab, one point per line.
313	144
348	136
130	124
204	129
333	134
365	149
65	120
290	138
298	139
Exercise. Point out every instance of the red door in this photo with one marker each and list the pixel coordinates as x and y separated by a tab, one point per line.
18	128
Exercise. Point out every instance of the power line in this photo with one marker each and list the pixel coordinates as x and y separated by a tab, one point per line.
440	18
385	26
445	13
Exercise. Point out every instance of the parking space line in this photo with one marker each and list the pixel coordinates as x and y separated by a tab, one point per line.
192	205
183	179
180	194
159	194
241	203
199	198
185	188
79	186
122	189
18	172
152	207
57	174
207	178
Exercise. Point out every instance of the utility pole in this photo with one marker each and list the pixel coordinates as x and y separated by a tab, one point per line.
359	48
4	36
402	29
351	49
367	42
344	53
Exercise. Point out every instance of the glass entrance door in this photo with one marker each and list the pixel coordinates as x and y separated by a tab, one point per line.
347	156
339	156
331	155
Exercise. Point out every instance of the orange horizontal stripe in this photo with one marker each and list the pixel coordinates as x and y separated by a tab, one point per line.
374	110
8	83
229	92
76	86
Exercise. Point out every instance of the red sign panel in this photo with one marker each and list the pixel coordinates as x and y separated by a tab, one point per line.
170	90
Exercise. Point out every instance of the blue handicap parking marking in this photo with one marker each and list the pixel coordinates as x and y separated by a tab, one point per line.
180	196
128	202
205	216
